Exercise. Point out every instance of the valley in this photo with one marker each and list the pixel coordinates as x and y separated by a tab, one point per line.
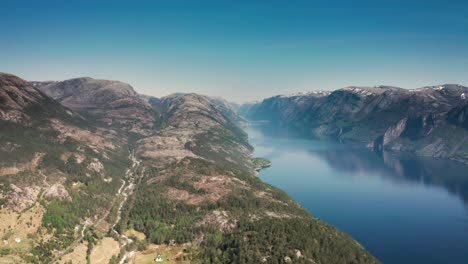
188	187
93	172
233	132
398	206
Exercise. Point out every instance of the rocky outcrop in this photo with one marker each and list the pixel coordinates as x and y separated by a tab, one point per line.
96	166
110	102
22	198
395	131
381	116
220	219
412	128
57	190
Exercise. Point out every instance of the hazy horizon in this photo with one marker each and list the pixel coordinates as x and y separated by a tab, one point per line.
239	51
233	101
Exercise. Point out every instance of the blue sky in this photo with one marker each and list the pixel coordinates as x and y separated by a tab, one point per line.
240	50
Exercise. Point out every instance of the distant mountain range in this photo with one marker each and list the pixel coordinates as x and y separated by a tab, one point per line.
429	121
91	170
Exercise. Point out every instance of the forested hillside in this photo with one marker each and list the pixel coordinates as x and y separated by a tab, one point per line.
121	179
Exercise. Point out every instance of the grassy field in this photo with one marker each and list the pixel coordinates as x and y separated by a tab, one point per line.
11	260
168	253
19	225
78	256
23	226
104	250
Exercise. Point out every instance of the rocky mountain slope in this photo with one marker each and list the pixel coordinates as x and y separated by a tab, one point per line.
19	102
58	173
429	121
111	102
228	109
111	176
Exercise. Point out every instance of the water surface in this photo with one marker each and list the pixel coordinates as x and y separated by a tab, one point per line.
402	209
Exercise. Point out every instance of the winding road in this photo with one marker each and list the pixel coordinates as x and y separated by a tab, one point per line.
125	190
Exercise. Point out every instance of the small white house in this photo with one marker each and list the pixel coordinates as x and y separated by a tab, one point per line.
463	96
17	240
158	258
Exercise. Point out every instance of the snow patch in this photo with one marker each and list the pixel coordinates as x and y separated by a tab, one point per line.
308	93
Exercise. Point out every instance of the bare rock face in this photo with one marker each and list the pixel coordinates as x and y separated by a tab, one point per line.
220	219
57	190
87	92
110	102
184	118
165	149
394	131
378	116
413	128
96	165
22	198
192	111
98	139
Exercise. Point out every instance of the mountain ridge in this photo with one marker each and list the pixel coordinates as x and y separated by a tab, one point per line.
380	117
185	181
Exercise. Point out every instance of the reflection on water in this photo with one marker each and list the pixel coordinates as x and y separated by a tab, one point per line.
403	209
450	175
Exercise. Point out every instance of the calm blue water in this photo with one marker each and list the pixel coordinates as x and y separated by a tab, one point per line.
401	209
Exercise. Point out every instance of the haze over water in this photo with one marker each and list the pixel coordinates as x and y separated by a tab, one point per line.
402	209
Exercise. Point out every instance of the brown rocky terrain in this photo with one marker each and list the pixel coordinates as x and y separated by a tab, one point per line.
110	102
49	158
176	170
19	98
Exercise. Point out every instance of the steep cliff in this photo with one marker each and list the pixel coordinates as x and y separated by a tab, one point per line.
422	121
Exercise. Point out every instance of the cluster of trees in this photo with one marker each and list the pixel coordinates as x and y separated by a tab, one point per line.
252	241
259	163
91	237
60	216
42	251
24	142
160	219
274	239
